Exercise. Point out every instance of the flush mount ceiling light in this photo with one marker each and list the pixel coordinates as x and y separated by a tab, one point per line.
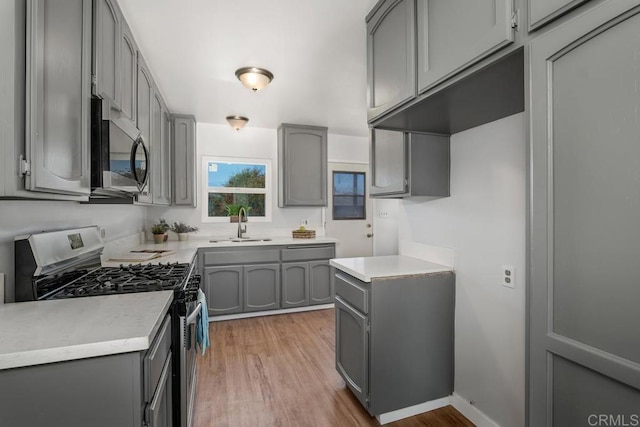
237	122
254	78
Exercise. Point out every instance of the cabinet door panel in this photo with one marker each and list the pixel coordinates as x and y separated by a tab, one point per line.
184	161
320	282
352	349
160	167
107	47
541	12
144	119
454	34
388	162
58	95
224	289
128	73
295	284
391	55
261	287
583	348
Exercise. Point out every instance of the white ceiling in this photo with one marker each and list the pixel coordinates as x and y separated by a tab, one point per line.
314	48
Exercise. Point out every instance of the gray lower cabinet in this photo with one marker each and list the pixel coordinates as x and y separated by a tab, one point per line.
58	92
295	284
407	164
261	287
455	34
583	347
541	12
183	171
260	278
224	289
320	282
394	339
391	56
124	390
302	165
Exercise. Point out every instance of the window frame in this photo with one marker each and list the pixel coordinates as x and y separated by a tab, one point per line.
364	196
267	190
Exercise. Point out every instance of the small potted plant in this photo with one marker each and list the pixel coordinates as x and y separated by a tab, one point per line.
233	211
159	231
182	230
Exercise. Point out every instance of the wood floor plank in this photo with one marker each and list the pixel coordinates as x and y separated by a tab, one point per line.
280	371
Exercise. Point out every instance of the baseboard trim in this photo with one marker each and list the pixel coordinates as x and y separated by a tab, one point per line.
474	414
269	312
410	411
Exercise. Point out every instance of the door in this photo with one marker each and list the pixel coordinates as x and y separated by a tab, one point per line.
128	73
224	289
160	172
584	352
261	287
184	161
391	56
455	34
295	284
352	349
348	216
321	285
58	96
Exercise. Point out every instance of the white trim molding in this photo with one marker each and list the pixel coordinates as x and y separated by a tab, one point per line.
410	411
475	415
269	313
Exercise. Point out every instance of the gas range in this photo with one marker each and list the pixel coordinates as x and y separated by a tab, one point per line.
114	280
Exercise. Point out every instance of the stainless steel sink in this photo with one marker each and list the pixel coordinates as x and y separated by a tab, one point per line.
241	239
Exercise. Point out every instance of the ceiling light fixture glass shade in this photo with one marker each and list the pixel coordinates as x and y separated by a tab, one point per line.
237	122
254	78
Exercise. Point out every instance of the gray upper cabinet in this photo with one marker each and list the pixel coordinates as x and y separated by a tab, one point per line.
261	287
541	12
128	73
58	93
302	170
455	34
407	164
144	104
161	153
391	55
107	45
184	160
584	352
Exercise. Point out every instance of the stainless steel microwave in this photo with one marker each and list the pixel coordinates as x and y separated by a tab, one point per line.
119	157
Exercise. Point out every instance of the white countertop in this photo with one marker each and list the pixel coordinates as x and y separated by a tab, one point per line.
186	250
367	268
39	332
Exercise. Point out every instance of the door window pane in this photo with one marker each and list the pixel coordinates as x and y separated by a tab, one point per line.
349	195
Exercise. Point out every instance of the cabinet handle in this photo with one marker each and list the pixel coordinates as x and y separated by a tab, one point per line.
369	235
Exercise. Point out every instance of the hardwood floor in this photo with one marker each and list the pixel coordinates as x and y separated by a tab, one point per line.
279	371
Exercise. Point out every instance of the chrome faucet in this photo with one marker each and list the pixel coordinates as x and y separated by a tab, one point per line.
241	230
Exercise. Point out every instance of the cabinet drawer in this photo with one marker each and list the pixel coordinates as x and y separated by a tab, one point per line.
307	253
352	291
241	257
155	358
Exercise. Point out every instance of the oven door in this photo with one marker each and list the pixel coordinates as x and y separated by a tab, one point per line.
188	363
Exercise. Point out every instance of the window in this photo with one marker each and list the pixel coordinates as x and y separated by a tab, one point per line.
348	195
230	183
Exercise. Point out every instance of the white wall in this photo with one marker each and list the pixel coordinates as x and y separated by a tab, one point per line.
484	221
23	217
385	226
223	141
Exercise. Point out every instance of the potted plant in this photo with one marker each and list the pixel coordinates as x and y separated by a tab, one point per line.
159	231
182	230
233	211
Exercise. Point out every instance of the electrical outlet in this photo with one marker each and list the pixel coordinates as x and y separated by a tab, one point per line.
383	214
508	275
304	222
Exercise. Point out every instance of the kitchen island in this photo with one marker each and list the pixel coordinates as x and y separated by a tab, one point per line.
395	333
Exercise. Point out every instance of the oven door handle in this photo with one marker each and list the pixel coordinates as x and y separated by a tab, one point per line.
194	314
